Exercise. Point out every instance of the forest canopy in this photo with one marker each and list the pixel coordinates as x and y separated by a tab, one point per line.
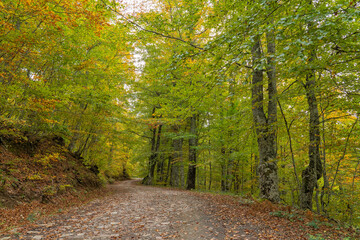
256	98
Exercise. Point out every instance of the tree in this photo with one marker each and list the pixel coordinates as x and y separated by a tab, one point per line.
265	126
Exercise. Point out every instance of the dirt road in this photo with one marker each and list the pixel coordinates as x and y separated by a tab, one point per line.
135	212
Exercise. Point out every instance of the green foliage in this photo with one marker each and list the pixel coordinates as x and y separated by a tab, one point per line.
314	224
289	216
63	73
35	176
49	191
202	63
33	216
45	160
104	84
64	187
317	237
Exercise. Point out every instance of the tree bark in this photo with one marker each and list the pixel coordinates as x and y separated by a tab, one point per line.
325	188
155	145
76	135
287	126
224	170
313	171
265	126
161	165
193	140
177	168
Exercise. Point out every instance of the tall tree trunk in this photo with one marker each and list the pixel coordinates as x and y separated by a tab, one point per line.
76	135
210	172
147	180
230	158
193	141
82	148
287	126
160	169
226	171
168	169
265	126
325	188
223	170
177	168
155	145
210	175
313	171
229	172
161	166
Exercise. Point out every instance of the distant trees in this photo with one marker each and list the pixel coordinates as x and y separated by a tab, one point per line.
233	65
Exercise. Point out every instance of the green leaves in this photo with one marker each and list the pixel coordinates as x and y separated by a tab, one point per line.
70	69
63	67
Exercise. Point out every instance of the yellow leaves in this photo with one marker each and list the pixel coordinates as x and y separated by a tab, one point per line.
46	160
51	121
88	64
128	56
333	74
341	117
36	176
190	61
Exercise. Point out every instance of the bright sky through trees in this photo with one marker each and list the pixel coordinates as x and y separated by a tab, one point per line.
137	6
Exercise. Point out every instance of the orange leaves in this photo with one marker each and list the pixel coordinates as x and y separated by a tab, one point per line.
43	105
6	27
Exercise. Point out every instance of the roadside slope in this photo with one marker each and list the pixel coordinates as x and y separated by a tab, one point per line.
37	170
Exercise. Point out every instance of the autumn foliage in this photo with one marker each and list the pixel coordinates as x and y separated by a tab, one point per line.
211	95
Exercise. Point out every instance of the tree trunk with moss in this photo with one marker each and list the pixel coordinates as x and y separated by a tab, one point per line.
265	125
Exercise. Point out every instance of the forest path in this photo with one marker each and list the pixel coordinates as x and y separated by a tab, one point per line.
138	212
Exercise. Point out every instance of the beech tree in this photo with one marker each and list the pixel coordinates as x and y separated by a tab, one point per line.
256	97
